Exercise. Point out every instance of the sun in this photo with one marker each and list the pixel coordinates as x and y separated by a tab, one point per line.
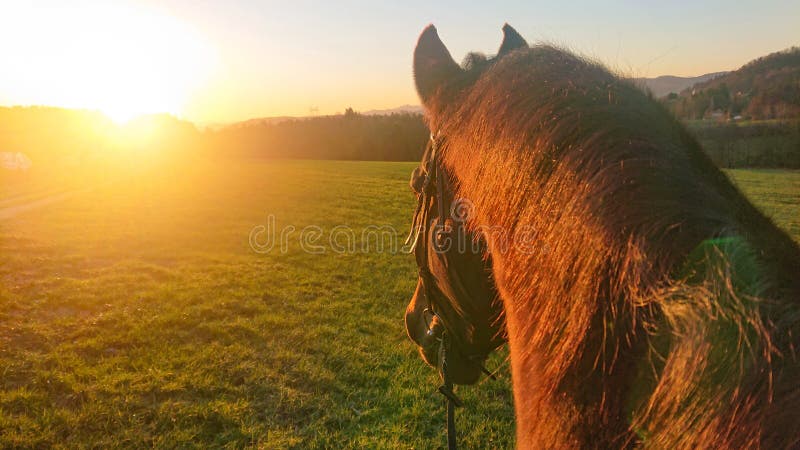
122	59
123	114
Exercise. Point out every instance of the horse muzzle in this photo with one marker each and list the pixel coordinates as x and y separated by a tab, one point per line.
427	330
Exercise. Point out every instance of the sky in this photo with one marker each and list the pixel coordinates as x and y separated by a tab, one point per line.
223	61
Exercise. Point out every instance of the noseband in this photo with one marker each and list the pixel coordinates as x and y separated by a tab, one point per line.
433	189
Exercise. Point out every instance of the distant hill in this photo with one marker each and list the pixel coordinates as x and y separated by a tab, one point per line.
405	109
665	84
261	121
765	88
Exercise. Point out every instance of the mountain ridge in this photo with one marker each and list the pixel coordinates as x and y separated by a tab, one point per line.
665	84
763	89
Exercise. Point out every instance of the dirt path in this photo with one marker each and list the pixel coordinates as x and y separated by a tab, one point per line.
29	196
12	211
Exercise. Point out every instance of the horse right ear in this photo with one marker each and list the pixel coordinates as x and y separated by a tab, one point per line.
511	41
433	65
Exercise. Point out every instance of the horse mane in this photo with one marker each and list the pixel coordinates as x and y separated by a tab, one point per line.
615	195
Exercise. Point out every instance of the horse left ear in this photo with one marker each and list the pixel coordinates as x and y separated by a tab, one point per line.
511	41
433	65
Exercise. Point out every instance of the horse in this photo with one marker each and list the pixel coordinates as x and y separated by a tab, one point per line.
645	301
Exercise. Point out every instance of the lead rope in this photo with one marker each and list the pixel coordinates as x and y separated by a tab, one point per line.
451	398
451	425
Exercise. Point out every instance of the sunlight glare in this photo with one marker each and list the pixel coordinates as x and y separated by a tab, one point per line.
123	60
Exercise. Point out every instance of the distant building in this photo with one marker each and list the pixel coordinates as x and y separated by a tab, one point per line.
717	115
15	161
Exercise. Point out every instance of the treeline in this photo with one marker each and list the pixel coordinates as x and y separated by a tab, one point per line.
80	141
764	89
402	137
57	136
67	139
52	134
85	148
759	144
351	136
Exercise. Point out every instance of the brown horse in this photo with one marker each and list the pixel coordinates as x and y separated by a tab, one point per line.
651	304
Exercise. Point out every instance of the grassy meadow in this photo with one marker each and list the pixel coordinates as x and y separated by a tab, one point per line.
135	313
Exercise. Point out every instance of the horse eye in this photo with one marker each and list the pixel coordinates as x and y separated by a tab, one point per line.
417	178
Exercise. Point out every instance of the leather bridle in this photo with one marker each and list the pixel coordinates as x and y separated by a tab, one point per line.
432	190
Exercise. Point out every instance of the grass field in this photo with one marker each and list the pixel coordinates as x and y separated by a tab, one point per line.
137	314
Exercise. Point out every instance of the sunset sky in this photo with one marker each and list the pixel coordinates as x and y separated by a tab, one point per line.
221	61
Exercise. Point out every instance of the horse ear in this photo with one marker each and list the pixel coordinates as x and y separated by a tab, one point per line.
511	41
433	65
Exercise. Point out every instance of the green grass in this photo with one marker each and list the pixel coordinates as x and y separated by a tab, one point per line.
776	192
137	315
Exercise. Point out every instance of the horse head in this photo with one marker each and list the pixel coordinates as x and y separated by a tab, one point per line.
454	316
